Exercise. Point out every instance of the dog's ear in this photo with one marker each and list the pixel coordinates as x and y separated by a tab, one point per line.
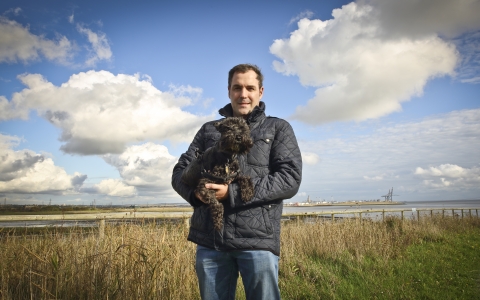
218	126
221	126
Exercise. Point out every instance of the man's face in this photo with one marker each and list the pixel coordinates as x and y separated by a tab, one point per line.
244	93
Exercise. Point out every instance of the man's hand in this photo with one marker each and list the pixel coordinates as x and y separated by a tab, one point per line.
221	191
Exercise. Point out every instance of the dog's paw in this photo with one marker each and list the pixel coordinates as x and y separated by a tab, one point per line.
246	188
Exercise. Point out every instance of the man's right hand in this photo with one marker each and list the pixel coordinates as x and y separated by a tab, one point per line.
221	191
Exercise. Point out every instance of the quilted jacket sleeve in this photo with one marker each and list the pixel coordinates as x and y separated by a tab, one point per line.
283	180
178	185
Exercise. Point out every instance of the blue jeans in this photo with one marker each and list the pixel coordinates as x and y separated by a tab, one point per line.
217	273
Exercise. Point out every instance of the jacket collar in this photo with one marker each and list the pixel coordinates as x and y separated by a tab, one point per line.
256	115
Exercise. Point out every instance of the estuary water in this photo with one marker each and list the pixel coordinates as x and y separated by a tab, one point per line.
413	209
402	205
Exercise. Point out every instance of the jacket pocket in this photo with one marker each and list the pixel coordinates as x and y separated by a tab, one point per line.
253	223
201	219
259	155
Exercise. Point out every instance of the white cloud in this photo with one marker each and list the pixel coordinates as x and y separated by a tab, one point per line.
412	18
6	111
17	43
101	48
383	176
304	14
450	176
148	169
355	164
147	165
207	102
7	142
372	56
25	171
474	80
445	170
310	158
302	194
15	11
114	187
100	113
184	95
374	178
469	69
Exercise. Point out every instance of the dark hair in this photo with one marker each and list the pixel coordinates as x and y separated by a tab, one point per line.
243	68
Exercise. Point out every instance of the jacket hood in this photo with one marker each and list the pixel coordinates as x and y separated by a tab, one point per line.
254	116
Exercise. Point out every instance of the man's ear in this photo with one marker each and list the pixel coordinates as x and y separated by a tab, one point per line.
260	91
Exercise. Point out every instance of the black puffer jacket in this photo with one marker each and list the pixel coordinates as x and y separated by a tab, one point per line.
275	166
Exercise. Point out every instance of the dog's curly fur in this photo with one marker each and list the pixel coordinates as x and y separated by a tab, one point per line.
224	168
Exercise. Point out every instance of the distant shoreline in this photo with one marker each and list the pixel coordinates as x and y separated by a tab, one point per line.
346	203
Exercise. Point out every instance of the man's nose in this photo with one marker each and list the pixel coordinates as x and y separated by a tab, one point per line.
244	93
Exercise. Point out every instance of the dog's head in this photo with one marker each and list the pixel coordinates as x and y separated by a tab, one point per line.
235	135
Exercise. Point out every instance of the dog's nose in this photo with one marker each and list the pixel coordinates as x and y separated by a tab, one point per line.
238	138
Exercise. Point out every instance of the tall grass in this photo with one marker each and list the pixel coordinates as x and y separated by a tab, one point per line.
130	262
329	260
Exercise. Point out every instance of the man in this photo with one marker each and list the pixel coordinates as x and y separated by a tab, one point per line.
250	240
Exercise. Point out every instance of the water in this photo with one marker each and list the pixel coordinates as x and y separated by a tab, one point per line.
83	223
405	205
33	224
411	206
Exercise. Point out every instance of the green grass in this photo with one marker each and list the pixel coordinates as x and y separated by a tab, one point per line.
445	269
448	268
443	265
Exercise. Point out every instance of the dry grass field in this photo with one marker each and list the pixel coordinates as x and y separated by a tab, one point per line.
434	258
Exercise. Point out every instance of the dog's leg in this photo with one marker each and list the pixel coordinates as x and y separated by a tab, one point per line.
216	208
246	187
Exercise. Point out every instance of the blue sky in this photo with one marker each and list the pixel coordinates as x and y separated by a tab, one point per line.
98	99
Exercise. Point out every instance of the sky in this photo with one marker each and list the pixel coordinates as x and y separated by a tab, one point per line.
98	99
